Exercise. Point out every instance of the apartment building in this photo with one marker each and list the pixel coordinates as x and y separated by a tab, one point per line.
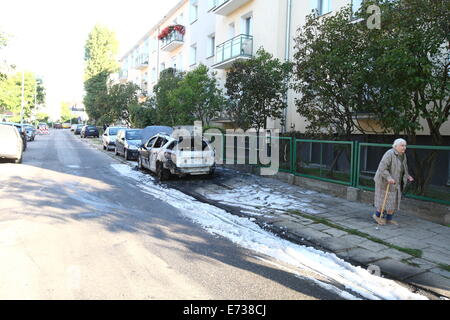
219	32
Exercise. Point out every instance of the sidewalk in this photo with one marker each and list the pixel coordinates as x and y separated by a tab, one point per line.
415	252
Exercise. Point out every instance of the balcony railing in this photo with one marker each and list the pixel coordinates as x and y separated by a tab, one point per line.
141	61
237	48
172	41
225	7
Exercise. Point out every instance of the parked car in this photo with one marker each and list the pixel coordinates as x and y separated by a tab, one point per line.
21	130
31	132
57	125
11	143
89	131
165	155
66	125
78	129
73	127
109	137
128	142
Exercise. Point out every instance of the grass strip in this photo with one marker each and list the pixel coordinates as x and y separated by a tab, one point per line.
413	252
445	267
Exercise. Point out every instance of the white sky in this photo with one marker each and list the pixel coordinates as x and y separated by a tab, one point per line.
48	36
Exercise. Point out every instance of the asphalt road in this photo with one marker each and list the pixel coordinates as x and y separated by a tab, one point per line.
73	228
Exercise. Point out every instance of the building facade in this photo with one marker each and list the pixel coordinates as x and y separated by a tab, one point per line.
217	33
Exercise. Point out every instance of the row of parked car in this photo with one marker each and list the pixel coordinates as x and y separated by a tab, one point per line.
13	139
85	130
162	150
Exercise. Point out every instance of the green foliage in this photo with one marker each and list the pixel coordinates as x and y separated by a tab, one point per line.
66	113
120	98
143	115
256	89
327	73
197	96
166	112
11	93
100	51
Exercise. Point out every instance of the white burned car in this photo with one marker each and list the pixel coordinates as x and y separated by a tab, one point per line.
165	155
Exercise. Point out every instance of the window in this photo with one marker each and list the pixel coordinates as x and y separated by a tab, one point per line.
211	4
193	55
193	11
211	46
153	75
322	6
231	30
150	143
248	26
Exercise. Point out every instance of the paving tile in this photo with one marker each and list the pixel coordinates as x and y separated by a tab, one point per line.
421	263
335	232
396	254
363	256
306	232
319	226
336	244
432	281
397	269
441	272
407	242
436	256
373	246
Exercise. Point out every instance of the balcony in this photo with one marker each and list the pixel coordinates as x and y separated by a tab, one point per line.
141	61
235	49
225	7
172	37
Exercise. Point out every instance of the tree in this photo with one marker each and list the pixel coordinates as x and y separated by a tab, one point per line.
329	64
144	114
414	64
11	94
121	97
256	89
198	97
166	112
399	73
100	51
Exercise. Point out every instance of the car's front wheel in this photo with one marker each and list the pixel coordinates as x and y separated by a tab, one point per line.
162	173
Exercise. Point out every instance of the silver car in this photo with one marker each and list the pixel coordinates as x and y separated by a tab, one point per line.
166	155
109	137
11	143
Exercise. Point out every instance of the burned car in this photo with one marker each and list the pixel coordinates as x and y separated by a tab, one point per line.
167	155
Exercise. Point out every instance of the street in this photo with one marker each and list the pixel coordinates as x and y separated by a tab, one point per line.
72	227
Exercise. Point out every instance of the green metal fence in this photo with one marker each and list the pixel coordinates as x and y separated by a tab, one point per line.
350	163
428	165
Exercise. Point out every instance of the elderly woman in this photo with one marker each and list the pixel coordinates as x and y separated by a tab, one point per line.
392	171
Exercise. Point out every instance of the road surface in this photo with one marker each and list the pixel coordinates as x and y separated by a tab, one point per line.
71	227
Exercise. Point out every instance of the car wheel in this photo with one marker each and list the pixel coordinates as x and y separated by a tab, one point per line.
162	173
18	160
104	148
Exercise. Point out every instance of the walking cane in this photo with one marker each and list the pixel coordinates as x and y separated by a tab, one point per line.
384	201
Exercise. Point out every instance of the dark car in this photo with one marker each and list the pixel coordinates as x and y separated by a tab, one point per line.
31	132
78	129
128	142
57	125
89	131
